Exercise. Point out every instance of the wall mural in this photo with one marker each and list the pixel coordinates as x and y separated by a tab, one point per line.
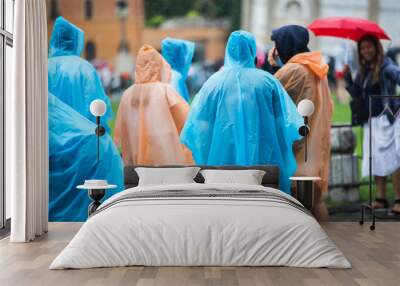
187	91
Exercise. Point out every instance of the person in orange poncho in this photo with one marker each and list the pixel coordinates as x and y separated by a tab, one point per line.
151	115
304	76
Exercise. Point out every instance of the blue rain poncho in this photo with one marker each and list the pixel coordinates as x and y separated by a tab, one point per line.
243	116
73	159
71	78
179	54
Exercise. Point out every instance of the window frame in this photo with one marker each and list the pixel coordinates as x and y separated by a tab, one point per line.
6	39
88	9
54	9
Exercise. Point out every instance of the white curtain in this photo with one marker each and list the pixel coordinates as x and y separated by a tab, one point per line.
26	124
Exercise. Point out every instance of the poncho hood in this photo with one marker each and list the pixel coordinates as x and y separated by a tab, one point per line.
178	53
314	61
240	50
151	66
290	40
66	39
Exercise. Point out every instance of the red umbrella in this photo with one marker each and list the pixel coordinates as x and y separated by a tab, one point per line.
347	27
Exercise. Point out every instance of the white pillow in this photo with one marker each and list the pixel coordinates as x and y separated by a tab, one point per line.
248	177
166	176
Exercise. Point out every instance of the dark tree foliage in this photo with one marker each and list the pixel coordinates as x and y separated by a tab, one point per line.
159	10
235	14
212	9
166	8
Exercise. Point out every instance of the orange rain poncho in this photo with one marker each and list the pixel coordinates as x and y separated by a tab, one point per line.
304	77
151	115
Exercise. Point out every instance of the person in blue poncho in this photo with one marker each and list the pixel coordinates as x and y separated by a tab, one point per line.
179	54
243	116
71	78
73	159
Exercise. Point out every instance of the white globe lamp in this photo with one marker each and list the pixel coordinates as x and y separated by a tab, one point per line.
98	108
305	108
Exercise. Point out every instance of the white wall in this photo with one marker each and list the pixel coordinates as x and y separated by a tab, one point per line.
389	19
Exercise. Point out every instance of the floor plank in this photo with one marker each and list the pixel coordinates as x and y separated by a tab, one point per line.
374	255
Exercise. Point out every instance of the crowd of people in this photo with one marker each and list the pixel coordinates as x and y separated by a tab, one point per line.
242	115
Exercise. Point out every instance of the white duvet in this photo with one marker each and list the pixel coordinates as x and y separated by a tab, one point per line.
201	231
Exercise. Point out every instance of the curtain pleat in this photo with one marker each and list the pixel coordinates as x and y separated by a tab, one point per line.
27	159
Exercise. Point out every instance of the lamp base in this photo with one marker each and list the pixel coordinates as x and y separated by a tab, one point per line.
100	130
96	195
304	130
305	193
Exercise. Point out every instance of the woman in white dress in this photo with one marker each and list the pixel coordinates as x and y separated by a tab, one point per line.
377	75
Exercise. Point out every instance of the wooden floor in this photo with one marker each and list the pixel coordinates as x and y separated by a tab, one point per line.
375	257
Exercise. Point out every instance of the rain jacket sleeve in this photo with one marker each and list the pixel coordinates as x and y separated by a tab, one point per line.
392	72
291	117
294	79
288	122
119	126
178	106
353	86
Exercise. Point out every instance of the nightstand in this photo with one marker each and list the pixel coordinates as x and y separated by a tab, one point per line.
96	190
305	190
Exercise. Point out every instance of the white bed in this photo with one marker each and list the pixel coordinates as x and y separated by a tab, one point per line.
246	225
